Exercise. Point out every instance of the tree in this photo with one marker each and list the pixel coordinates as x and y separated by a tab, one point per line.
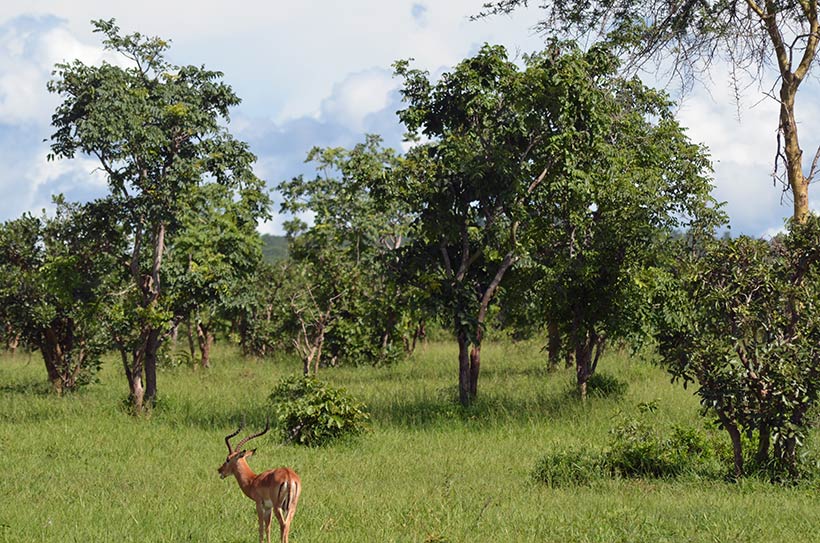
212	257
492	145
56	287
739	318
351	308
688	37
156	130
561	166
629	180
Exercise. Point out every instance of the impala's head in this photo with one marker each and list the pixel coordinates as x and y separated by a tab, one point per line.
235	454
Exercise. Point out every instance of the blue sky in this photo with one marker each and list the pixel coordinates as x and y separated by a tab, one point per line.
317	72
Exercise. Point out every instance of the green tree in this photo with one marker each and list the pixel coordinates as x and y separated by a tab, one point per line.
156	130
56	281
356	310
490	127
216	251
561	166
739	318
629	178
689	37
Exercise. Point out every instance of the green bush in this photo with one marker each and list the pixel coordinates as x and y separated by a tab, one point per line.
604	385
313	413
569	468
639	449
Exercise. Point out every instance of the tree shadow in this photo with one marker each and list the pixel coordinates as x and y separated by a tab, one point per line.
28	387
486	410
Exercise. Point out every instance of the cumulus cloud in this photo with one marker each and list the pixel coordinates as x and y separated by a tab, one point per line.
29	49
743	148
318	73
358	96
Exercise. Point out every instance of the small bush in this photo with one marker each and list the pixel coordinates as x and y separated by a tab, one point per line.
569	468
313	413
604	385
639	449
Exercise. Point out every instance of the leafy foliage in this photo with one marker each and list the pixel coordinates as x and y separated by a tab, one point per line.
745	328
313	413
350	303
638	448
158	133
56	277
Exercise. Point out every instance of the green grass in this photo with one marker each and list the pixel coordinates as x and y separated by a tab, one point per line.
80	469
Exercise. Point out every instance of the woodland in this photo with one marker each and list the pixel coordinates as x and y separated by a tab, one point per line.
513	294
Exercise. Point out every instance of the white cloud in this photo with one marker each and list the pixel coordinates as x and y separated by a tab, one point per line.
318	73
29	48
357	96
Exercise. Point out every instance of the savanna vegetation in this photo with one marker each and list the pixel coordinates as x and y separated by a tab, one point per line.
86	470
549	235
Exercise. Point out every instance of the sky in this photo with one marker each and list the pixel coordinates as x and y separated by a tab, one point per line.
318	73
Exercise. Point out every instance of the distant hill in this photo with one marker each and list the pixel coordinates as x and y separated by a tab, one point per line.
274	248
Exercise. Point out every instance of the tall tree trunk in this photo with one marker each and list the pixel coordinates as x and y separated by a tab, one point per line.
49	357
583	357
553	346
798	183
464	395
206	341
191	344
475	367
737	446
151	353
763	445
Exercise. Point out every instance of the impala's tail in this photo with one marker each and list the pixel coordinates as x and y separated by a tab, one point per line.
289	493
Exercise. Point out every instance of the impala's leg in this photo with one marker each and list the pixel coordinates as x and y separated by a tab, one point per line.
267	518
283	535
260	516
294	499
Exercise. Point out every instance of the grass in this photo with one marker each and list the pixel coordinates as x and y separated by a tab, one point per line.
81	469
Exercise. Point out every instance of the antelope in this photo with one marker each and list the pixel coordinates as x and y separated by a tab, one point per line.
274	491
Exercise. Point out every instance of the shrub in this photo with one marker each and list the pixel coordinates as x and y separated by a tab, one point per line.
639	449
313	413
604	385
569	468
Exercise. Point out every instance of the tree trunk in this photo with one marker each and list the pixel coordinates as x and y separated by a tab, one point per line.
737	446
152	344
206	341
12	341
463	370
791	149
475	367
582	368
49	355
553	346
191	344
763	446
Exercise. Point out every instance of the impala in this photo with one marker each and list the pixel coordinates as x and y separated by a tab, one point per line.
274	491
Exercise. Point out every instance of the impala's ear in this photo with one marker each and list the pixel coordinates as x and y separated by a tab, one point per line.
250	452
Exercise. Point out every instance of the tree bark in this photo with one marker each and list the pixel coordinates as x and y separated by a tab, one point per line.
206	341
464	395
553	346
51	368
737	446
151	353
475	368
763	446
191	345
794	154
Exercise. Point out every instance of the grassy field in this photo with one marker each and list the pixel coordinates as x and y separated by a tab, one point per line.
79	469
